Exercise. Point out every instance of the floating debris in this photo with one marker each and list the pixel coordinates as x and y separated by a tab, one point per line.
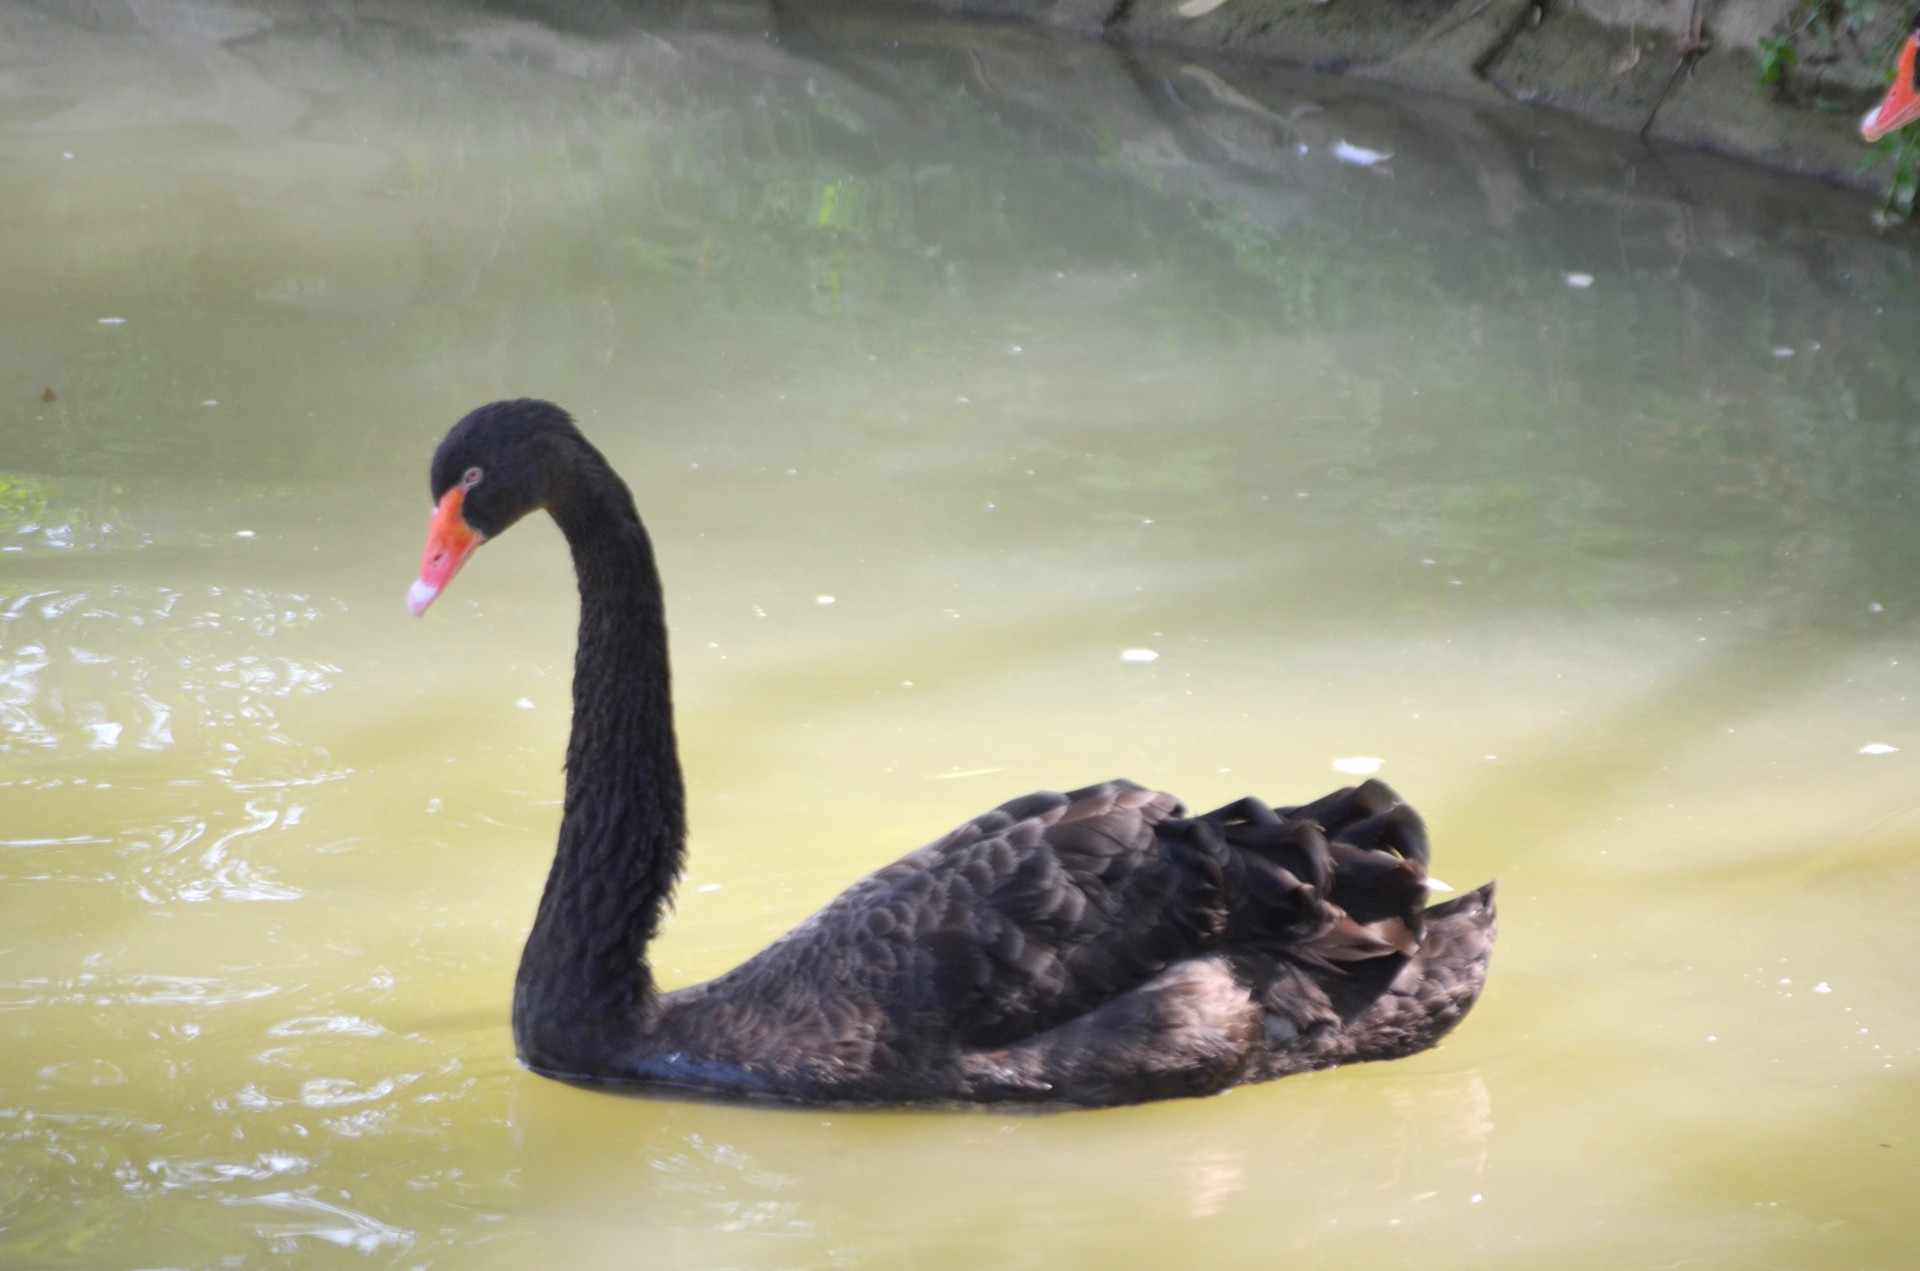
1138	655
1359	156
47	396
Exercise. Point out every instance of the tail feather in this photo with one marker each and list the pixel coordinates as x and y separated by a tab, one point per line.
1333	934
1358	853
1347	814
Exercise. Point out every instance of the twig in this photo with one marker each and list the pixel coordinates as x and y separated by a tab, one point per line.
1692	49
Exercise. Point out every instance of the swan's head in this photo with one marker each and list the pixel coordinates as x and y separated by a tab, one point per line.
498	464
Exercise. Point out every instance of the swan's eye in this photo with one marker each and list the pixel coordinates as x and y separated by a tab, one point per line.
471	478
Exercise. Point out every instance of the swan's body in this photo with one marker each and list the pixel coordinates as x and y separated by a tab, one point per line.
1099	947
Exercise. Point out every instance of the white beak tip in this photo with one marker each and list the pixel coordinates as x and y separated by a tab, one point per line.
1434	884
420	595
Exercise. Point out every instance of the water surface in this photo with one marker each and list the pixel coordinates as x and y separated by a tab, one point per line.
1567	479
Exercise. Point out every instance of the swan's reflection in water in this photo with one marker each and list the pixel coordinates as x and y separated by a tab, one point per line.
717	1182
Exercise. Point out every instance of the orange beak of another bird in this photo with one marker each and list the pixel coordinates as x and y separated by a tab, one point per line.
450	540
1901	105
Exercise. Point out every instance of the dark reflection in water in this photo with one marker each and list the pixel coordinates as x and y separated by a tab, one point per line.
1027	352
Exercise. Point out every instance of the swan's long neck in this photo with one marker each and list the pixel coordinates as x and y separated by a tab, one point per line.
584	992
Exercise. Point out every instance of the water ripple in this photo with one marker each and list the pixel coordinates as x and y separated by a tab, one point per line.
89	989
308	1025
316	1219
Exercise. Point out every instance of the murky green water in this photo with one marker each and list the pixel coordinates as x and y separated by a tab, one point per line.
1572	481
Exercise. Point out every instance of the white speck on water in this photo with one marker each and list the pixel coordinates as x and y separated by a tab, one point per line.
1491	758
1579	282
906	683
1712	1038
1455	582
1138	655
707	887
1359	156
823	600
1016	349
524	703
1358	765
66	154
105	736
243	533
1475	1199
1823	987
1783	351
113	322
1878	748
1146	520
963	400
758	612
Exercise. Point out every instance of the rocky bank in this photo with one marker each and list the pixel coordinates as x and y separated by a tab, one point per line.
1685	72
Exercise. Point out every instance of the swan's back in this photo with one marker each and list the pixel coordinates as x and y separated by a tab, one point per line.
1099	947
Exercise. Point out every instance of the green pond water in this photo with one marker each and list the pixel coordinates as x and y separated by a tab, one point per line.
1571	483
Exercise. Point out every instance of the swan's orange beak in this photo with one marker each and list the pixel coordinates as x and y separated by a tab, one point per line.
450	540
1901	105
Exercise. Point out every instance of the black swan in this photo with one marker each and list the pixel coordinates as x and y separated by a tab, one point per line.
1098	947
